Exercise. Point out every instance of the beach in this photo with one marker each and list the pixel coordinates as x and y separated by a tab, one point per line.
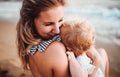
105	19
10	65
10	62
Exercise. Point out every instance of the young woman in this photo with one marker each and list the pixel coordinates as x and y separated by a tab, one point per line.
40	20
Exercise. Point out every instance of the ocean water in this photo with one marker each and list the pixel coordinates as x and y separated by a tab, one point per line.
9	10
103	14
106	21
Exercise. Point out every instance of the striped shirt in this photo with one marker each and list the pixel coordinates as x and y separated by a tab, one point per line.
41	47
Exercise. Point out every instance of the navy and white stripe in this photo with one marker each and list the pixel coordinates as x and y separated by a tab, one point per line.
43	45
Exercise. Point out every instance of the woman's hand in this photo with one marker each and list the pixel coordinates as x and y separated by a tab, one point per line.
94	56
96	60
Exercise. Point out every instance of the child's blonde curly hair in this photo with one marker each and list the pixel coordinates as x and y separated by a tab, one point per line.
77	35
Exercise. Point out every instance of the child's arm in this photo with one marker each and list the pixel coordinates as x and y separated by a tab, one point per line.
95	57
75	68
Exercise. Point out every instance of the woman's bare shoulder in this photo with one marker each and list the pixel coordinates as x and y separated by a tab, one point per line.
56	46
56	51
59	62
53	49
54	58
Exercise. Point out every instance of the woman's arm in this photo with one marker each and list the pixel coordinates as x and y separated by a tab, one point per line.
95	57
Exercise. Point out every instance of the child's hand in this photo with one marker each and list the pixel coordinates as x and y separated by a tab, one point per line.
70	55
75	69
95	57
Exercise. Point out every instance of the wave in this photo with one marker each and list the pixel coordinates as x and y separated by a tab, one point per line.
9	10
105	20
94	11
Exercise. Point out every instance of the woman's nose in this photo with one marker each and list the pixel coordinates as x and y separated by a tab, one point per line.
56	29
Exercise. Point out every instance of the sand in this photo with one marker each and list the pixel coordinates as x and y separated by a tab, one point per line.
10	63
113	52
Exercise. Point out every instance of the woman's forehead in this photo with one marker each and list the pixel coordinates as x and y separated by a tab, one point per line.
52	14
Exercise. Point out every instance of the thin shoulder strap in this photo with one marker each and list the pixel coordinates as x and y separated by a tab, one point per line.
41	47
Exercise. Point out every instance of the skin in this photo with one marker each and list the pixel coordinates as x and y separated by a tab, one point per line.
53	61
75	67
105	61
98	57
95	57
49	22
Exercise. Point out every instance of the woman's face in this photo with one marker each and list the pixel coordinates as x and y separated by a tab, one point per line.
49	22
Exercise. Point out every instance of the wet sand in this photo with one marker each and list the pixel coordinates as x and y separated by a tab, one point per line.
10	63
113	52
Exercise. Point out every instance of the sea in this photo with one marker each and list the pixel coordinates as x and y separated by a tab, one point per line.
104	15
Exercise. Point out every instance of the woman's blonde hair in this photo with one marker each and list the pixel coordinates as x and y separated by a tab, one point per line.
77	35
27	35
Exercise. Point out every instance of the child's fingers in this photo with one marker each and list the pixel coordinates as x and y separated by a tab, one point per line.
67	52
70	55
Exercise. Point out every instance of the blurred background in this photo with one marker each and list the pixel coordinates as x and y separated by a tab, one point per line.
103	14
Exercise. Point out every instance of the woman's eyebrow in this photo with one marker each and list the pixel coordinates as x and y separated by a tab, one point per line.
61	19
53	22
48	22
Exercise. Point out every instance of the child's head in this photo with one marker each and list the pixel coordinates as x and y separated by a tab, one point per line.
77	35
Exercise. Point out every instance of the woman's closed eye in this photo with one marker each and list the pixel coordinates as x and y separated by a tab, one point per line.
48	24
52	23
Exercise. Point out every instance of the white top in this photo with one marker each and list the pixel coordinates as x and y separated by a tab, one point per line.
85	62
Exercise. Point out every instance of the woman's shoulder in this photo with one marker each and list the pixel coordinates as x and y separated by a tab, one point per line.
56	45
58	58
56	48
55	57
42	46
